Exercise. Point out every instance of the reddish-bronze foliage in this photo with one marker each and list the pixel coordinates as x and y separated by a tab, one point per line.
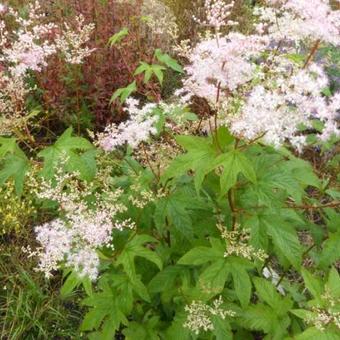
107	69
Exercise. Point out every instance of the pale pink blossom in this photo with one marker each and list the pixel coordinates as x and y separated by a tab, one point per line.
222	66
138	128
298	20
217	13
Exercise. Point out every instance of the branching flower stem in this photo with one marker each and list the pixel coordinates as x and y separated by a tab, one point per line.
312	53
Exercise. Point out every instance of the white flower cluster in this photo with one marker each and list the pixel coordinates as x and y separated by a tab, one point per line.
30	48
3	8
321	318
135	130
219	67
83	228
200	314
13	92
237	243
32	44
72	41
160	21
277	111
217	13
258	84
27	47
299	20
141	197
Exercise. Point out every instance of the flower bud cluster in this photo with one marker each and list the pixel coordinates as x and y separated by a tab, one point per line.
322	316
200	315
237	243
141	197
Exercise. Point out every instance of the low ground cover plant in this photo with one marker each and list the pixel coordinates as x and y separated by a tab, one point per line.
208	213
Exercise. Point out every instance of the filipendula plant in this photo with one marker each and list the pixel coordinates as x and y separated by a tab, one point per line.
236	236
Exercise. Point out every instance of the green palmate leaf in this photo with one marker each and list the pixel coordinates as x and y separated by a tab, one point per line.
213	278
313	284
267	292
158	71
124	92
111	304
302	313
259	317
242	284
284	238
105	312
143	67
301	170
165	279
142	331
230	171
171	211
77	151
303	173
118	37
222	329
168	61
224	138
279	179
330	252
149	71
84	163
314	333
14	162
332	220
258	236
200	255
8	145
333	284
87	284
245	166
201	153
136	248
263	318
14	167
140	289
233	163
93	319
177	330
176	210
194	143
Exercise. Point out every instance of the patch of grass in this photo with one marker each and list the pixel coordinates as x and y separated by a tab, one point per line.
30	306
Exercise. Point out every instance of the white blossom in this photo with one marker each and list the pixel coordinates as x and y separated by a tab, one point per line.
277	112
298	20
135	130
199	315
72	239
222	66
217	13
